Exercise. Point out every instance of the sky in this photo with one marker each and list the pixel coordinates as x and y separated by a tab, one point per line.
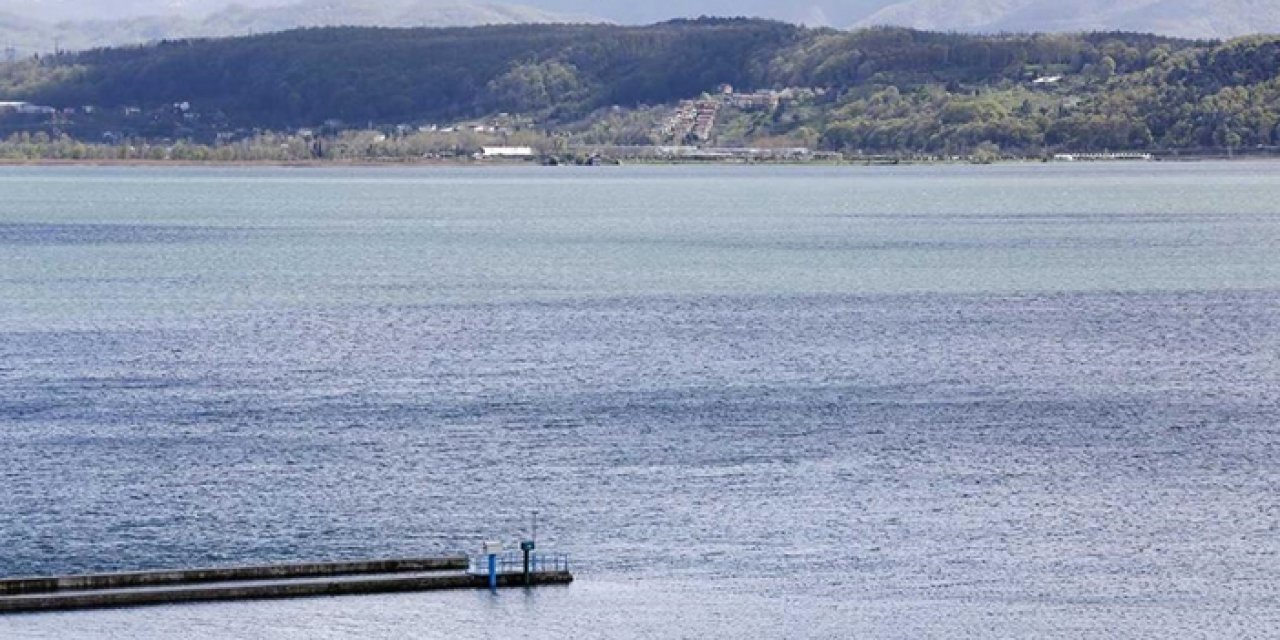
815	12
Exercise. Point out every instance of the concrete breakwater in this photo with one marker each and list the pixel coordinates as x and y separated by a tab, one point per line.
64	593
19	586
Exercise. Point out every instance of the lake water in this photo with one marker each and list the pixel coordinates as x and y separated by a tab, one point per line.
1014	401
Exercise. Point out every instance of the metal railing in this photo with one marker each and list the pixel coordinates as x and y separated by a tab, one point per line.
512	563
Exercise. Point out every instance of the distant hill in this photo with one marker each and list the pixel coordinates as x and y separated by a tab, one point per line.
31	36
1183	18
359	74
873	91
377	13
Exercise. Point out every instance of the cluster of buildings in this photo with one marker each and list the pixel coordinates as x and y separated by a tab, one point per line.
693	120
1103	157
766	100
26	109
740	153
474	128
691	128
758	101
686	153
501	124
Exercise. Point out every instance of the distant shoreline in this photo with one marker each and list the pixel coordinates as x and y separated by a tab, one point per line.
301	164
402	163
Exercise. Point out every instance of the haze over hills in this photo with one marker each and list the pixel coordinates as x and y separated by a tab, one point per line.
37	25
193	19
382	13
1184	18
827	12
831	13
77	10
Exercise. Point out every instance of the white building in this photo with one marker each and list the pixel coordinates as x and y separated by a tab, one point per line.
507	152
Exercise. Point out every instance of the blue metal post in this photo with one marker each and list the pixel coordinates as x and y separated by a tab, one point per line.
493	572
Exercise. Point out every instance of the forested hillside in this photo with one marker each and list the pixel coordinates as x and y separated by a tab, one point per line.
389	75
870	91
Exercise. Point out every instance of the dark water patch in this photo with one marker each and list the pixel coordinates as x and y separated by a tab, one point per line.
833	243
1066	218
48	234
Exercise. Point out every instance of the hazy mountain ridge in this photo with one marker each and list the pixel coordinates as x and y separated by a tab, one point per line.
38	25
31	36
838	12
54	11
386	13
1183	18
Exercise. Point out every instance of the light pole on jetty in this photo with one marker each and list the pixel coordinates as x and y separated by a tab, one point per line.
527	547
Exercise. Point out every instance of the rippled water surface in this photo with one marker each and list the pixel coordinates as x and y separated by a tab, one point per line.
1034	401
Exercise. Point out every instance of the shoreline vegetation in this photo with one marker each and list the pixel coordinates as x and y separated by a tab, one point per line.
706	90
551	164
374	148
